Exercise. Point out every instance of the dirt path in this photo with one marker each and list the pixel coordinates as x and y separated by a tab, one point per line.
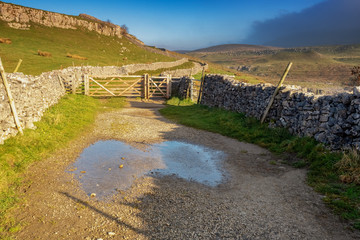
261	199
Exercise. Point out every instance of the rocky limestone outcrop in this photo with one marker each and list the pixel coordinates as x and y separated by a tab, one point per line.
22	17
331	119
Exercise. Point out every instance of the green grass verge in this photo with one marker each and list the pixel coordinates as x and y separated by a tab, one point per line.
98	49
179	102
114	103
60	124
323	174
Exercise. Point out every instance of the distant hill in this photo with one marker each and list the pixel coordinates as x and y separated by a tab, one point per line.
234	48
182	51
315	67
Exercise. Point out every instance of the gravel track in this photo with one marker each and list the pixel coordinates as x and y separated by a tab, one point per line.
261	199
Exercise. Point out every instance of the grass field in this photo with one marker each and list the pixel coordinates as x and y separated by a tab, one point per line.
186	65
61	43
218	69
326	170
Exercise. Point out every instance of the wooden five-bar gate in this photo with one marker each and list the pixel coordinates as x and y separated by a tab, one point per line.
143	86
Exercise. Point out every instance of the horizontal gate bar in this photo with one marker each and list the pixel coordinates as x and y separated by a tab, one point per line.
118	76
129	86
101	86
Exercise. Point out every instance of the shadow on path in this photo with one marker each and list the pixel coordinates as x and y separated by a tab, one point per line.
106	215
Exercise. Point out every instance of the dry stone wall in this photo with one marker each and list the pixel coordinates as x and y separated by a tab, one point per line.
331	119
73	75
179	88
34	94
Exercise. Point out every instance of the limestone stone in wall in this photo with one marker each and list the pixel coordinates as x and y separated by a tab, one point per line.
73	75
32	96
331	119
179	88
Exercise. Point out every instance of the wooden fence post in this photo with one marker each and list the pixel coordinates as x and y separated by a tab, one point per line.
276	92
201	85
168	86
61	83
146	86
17	66
11	100
191	88
73	86
86	85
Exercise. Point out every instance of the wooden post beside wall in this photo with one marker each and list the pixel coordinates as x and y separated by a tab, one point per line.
86	85
201	86
146	86
73	86
18	65
276	92
191	88
168	86
61	83
11	100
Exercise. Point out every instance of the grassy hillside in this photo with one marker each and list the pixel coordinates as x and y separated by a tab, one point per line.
242	77
97	49
324	67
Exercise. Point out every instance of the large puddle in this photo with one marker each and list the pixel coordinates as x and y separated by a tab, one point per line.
109	166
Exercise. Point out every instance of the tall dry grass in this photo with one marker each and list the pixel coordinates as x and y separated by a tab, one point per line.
44	54
75	56
349	167
5	40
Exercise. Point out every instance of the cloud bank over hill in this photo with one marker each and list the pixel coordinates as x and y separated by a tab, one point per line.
329	22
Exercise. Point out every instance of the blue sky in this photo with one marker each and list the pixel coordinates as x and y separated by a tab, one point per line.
187	24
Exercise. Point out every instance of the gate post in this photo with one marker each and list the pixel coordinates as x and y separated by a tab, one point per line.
168	86
73	87
146	86
191	88
86	84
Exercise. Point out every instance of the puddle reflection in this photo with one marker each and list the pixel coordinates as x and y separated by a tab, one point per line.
107	166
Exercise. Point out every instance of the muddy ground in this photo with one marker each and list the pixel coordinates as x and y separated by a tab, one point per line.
261	198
